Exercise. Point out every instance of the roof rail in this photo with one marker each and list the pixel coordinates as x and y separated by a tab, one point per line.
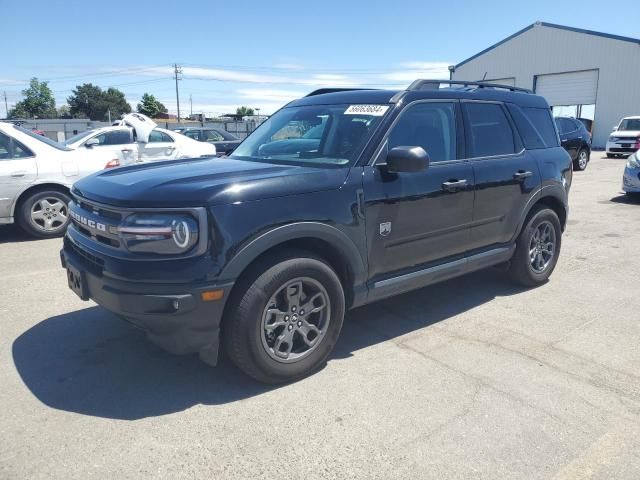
321	91
435	84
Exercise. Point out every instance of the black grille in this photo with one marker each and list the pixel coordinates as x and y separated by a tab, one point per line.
623	150
81	252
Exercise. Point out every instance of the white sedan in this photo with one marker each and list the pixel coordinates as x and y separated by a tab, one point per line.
36	175
130	143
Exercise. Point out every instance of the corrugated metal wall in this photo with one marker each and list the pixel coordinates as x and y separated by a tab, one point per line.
546	50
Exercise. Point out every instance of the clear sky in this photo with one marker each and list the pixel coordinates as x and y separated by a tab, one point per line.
264	53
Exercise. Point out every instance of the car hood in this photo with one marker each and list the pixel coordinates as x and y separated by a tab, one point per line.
626	133
203	182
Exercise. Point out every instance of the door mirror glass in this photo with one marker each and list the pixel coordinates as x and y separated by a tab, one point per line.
407	159
92	142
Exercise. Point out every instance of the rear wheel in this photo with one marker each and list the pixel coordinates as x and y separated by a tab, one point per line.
610	155
537	248
45	214
581	161
285	319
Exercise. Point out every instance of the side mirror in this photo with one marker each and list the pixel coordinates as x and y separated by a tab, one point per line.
407	159
615	128
92	142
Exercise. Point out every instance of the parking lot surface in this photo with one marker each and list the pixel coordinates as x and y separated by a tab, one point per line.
472	378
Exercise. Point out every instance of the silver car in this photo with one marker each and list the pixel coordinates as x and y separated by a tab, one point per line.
631	176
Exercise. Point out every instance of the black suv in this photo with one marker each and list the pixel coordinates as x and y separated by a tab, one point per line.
576	139
264	251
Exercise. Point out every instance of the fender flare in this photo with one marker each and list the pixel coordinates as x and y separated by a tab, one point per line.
548	191
335	237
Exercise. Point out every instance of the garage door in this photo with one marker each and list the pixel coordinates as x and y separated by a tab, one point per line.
511	81
574	88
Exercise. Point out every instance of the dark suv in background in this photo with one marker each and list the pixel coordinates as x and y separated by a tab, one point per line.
264	251
576	139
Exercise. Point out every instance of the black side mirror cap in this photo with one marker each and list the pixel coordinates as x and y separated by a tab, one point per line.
407	159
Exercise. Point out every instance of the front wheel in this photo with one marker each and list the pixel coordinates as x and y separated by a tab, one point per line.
285	320
537	248
45	214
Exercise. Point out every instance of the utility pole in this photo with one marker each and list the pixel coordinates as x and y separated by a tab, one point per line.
177	71
6	106
190	105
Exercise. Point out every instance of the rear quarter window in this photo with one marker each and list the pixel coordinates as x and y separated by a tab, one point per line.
536	126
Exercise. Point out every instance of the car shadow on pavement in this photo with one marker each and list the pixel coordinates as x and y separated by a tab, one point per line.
14	234
628	199
91	362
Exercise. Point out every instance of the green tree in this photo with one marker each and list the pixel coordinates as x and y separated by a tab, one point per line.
150	106
116	103
244	111
38	102
90	101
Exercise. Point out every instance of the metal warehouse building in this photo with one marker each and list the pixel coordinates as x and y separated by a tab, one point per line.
590	71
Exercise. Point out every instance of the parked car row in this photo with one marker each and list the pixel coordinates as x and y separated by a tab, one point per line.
36	173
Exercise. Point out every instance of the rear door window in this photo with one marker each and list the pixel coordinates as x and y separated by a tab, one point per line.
156	136
490	133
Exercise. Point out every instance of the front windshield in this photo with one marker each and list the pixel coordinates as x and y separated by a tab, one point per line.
315	135
78	137
43	139
630	124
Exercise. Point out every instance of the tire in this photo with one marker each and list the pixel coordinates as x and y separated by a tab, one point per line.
610	155
522	269
263	330
582	160
44	214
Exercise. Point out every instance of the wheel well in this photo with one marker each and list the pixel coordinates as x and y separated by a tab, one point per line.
39	188
319	248
557	206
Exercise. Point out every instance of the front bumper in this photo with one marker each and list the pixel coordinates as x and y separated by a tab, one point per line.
631	180
622	147
174	316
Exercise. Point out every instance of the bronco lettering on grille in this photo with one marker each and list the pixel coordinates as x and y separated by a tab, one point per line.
88	222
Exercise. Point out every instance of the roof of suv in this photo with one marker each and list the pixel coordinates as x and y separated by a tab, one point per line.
518	97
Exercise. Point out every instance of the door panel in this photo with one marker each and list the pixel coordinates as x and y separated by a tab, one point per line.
160	147
419	217
503	188
506	175
411	220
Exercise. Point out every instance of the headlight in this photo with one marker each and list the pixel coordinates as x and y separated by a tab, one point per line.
159	233
633	161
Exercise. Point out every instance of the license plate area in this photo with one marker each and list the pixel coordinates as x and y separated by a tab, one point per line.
77	282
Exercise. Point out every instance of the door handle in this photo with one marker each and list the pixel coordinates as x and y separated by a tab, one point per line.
126	150
172	148
18	173
454	185
521	175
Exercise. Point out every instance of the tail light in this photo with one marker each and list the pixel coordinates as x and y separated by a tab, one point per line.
112	163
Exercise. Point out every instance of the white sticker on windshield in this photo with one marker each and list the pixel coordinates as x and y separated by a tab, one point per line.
373	110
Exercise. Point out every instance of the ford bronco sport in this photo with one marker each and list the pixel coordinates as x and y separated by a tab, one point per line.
264	251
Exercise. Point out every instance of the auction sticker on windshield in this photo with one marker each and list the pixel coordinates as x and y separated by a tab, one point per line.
373	110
